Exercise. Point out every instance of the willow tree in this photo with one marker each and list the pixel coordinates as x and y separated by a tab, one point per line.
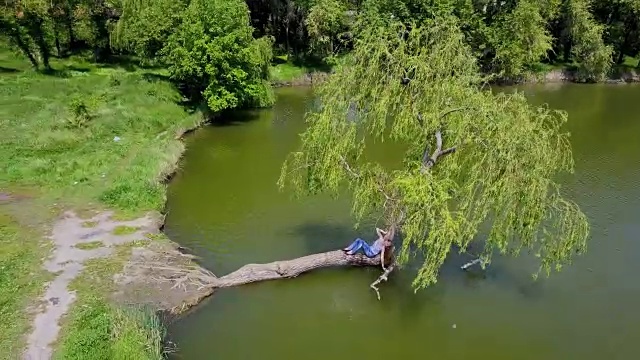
474	159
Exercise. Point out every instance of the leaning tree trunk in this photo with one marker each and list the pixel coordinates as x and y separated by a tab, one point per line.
201	278
292	268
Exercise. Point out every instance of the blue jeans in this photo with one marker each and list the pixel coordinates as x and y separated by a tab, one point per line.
361	244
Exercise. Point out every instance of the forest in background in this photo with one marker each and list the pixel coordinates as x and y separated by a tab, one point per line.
220	50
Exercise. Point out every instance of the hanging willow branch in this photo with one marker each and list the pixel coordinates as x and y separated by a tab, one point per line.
495	158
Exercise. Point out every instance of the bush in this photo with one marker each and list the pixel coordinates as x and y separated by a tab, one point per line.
80	114
213	56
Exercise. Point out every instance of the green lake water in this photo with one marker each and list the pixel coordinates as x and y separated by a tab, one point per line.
224	204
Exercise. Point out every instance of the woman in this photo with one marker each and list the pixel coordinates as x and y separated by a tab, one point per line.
379	246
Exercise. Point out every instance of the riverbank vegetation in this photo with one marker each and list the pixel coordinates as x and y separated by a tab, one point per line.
218	52
85	136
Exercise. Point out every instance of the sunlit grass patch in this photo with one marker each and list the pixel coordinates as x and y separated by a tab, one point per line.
21	279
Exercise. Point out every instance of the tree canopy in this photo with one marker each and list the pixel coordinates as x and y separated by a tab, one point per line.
508	39
473	159
214	54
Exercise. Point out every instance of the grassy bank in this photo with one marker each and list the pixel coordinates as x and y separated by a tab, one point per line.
85	136
285	71
100	330
20	281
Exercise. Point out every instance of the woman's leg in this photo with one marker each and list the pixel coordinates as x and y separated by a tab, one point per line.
351	246
357	244
368	250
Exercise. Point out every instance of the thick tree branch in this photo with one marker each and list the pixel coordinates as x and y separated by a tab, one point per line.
291	268
438	142
448	151
429	161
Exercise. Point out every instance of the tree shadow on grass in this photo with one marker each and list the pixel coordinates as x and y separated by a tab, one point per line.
8	70
65	71
127	63
153	77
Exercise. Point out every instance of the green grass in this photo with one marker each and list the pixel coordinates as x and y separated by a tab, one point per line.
89	224
544	68
124	230
284	69
137	330
90	245
83	136
21	279
104	332
95	329
629	65
287	72
630	62
50	145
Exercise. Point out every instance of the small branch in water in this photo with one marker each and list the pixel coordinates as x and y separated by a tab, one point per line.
470	264
381	278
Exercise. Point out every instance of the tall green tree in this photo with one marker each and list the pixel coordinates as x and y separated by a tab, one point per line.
28	26
473	157
621	21
326	21
520	39
589	49
213	55
145	26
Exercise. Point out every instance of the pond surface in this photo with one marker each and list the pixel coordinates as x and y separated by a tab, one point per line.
225	205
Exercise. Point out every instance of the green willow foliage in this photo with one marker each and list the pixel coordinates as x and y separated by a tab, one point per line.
502	173
213	53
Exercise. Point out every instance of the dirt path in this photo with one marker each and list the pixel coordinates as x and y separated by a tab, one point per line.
67	261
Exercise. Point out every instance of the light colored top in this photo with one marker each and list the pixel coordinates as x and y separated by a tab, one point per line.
377	246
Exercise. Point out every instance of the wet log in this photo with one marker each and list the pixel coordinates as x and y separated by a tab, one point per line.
291	268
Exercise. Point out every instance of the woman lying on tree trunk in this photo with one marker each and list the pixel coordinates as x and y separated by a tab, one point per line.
379	246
